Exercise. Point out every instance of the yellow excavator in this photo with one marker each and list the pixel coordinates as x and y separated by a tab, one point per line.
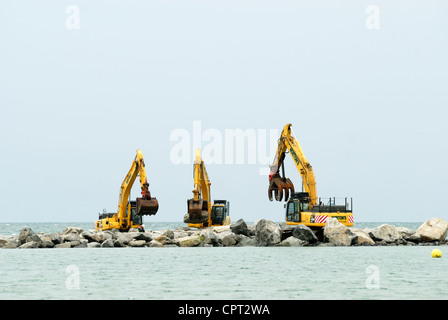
130	213
303	207
201	212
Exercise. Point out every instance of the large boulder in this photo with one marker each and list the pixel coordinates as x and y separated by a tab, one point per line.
409	234
337	233
385	232
292	242
240	227
362	238
434	229
28	235
93	236
267	232
188	241
304	233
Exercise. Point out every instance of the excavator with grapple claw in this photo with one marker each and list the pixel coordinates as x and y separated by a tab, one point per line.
201	212
302	207
130	213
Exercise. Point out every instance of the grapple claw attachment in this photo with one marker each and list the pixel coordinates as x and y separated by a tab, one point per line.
280	188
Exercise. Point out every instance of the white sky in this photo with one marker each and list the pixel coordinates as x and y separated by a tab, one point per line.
369	107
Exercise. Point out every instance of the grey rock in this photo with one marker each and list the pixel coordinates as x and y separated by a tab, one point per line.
93	245
137	243
240	227
108	243
434	229
30	244
304	233
267	232
384	232
337	233
292	242
63	245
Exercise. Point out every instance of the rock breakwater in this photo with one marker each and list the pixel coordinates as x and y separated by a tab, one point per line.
239	234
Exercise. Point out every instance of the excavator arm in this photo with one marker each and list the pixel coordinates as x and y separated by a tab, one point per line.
199	207
146	205
279	185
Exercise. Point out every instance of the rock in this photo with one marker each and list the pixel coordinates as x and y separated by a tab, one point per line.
304	233
55	238
93	245
71	236
292	242
434	229
168	234
108	243
154	244
188	241
93	236
240	227
12	244
118	243
47	244
384	232
409	234
75	230
63	245
230	239
125	237
267	233
26	235
145	236
30	244
337	233
362	237
209	238
221	229
246	241
137	243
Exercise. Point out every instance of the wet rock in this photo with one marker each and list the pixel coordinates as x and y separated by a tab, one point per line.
245	241
267	232
434	229
12	243
384	232
72	236
337	233
304	233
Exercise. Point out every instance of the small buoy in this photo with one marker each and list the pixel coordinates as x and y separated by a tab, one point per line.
436	253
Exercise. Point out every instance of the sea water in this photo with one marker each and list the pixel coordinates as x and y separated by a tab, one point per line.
377	272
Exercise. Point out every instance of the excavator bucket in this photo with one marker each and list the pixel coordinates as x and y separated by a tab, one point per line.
197	211
280	186
147	207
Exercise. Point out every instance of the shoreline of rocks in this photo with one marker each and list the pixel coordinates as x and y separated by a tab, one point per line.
239	234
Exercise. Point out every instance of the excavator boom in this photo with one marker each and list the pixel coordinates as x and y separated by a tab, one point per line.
282	187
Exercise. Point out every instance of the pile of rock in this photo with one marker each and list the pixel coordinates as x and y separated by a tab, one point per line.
262	233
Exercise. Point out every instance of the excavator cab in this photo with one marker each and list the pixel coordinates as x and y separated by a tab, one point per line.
299	202
220	212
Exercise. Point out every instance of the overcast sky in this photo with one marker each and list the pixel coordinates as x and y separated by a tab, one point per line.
84	84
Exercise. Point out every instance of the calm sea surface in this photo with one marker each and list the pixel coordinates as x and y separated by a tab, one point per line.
399	272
